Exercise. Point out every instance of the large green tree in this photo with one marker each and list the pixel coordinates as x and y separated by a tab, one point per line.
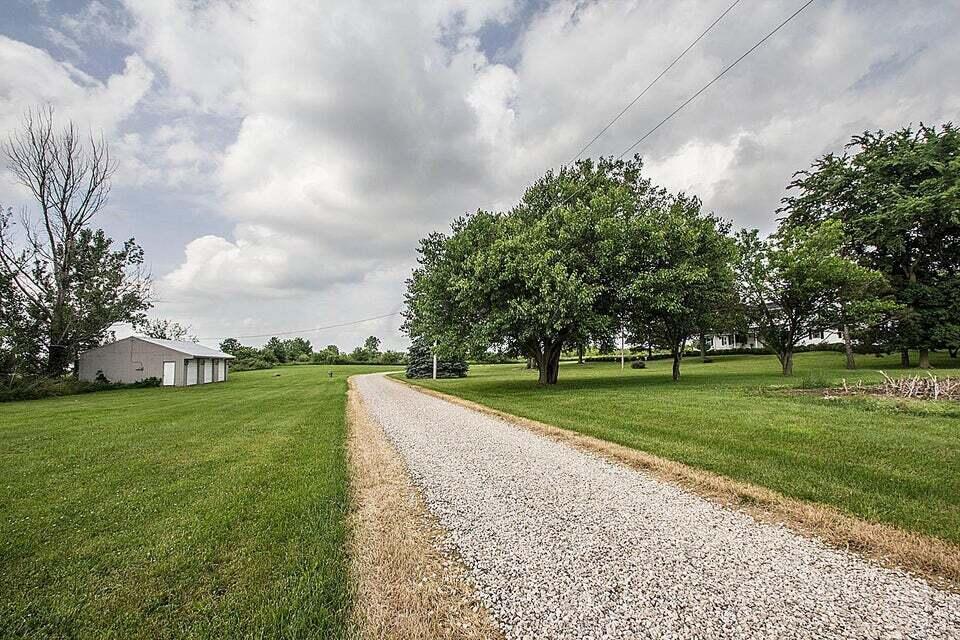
231	346
371	346
898	196
276	348
681	274
545	276
296	348
798	282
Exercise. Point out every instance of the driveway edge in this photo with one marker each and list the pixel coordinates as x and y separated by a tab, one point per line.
405	586
934	559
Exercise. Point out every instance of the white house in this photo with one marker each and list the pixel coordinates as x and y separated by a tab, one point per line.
749	340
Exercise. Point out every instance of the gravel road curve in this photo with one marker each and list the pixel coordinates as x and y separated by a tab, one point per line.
564	544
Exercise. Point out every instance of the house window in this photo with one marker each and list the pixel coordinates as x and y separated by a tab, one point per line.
816	335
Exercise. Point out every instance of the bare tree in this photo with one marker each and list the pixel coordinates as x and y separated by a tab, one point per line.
74	283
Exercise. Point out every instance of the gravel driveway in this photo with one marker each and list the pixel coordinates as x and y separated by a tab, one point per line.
563	544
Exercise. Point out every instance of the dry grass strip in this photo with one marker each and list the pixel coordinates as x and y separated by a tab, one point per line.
935	559
406	588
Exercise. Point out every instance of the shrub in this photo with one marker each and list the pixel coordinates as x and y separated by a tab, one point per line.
251	364
814	380
38	388
638	364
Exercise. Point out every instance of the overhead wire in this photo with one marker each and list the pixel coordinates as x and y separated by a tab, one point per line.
312	330
693	97
655	80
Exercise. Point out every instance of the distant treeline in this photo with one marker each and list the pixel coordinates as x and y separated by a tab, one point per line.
299	351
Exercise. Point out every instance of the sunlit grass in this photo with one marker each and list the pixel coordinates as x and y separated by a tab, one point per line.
215	511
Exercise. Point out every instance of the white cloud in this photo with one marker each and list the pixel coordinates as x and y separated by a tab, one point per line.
260	262
333	136
30	76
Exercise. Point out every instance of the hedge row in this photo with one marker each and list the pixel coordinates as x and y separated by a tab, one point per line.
38	388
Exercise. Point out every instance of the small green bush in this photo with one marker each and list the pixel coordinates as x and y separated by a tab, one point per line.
815	380
638	364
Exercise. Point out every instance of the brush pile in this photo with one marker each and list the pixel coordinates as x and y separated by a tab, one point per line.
925	387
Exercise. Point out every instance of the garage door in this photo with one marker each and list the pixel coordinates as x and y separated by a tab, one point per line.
208	371
191	372
169	372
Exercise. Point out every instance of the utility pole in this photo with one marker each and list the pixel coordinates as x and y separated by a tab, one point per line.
434	360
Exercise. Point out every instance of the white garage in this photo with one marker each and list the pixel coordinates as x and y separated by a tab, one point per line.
176	363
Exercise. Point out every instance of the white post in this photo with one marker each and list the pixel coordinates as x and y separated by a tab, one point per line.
621	347
434	360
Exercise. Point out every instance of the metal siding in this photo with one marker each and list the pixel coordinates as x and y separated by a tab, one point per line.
128	360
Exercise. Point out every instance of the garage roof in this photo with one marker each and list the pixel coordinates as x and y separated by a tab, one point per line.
188	348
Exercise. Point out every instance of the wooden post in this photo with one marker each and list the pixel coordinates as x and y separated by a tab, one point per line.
621	347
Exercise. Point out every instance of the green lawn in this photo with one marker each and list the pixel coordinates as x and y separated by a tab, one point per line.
884	461
214	511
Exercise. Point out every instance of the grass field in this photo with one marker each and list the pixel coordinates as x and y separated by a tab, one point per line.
206	512
884	461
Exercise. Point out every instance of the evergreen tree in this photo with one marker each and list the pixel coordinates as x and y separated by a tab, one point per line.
421	363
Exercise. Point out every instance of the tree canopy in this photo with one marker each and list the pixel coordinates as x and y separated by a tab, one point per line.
791	284
898	197
680	274
543	276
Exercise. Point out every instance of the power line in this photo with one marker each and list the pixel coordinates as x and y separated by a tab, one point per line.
313	330
697	94
655	80
717	77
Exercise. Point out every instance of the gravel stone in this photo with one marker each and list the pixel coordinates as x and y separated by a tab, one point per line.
564	544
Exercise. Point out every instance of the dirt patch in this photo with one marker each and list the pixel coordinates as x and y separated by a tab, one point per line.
935	559
406	588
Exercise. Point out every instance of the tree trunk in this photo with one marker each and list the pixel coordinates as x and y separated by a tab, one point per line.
905	358
953	351
703	346
786	359
580	354
924	358
529	363
848	347
58	359
550	364
677	354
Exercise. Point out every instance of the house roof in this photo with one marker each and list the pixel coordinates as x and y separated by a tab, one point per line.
188	348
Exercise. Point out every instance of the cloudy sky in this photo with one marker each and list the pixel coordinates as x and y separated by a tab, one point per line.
278	161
